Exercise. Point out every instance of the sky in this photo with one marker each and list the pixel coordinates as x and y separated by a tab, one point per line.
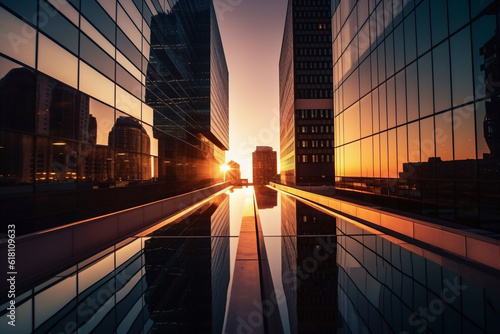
252	32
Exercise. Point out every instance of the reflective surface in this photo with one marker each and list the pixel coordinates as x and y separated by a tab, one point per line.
430	89
329	275
95	98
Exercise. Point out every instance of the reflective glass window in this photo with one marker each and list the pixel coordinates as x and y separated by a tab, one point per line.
414	142
352	159
461	69
444	136
439	21
127	81
483	40
67	9
58	27
109	7
96	85
129	28
17	39
464	133
374	69
381	62
384	162
382	99
401	97
132	11
16	159
442	85
127	102
99	18
393	154
482	113
458	13
351	89
375	110
410	38
366	116
364	80
425	89
402	148
97	37
57	161
55	61
423	27
412	92
478	6
427	139
389	54
128	49
399	48
104	117
25	8
17	96
95	56
391	103
351	123
367	157
376	156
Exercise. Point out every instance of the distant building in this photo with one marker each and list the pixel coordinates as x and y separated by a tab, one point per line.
306	105
264	164
234	173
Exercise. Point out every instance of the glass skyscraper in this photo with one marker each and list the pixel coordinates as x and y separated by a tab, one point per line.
106	105
306	115
415	87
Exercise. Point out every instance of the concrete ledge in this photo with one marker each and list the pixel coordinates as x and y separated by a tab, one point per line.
477	248
43	252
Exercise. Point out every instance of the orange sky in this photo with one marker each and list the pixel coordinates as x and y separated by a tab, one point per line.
251	32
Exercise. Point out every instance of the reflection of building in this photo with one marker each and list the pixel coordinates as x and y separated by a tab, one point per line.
264	165
266	198
187	278
158	64
416	109
306	115
234	173
310	294
131	139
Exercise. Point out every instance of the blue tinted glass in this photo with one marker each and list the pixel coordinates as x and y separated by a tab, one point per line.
442	87
25	8
478	6
410	38
423	28
459	14
99	18
439	21
58	27
461	69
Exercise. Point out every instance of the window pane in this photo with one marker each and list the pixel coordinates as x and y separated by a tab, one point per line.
410	38
391	103
104	118
423	28
389	54
414	142
17	39
58	27
412	91
351	123
98	17
461	72
458	13
16	159
96	85
367	157
439	21
399	48
427	139
374	69
425	85
393	154
352	159
381	62
94	55
375	111
382	98
17	96
482	145
402	148
464	133
401	98
364	80
376	156
444	136
25	8
483	37
53	60
127	102
384	163
366	116
442	89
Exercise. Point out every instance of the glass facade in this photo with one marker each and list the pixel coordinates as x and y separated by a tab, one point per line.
264	165
415	100
306	115
107	104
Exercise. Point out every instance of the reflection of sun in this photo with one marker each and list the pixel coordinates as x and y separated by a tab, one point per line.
249	190
224	168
